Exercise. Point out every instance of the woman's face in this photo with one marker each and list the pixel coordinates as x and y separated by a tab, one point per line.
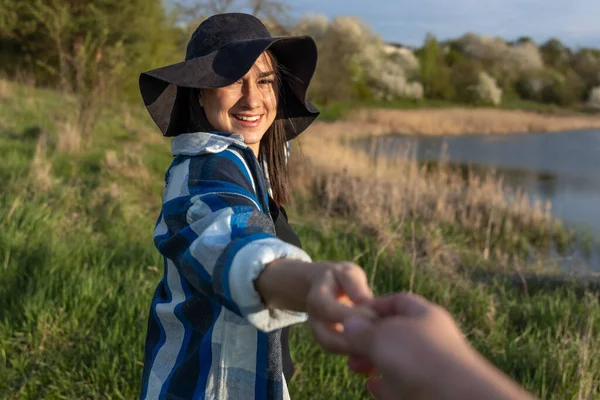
248	106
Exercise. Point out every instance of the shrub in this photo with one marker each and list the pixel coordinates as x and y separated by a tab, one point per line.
594	99
487	91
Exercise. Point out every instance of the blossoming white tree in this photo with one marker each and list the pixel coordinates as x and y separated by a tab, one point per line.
352	55
524	56
487	91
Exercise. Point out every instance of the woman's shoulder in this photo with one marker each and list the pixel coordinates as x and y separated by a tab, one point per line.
206	159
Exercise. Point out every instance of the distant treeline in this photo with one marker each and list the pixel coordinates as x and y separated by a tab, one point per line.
95	49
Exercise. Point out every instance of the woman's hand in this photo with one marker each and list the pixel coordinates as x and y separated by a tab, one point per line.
335	293
330	292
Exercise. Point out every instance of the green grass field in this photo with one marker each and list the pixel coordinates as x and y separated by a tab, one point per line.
78	270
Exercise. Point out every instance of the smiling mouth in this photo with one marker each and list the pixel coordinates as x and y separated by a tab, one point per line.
247	118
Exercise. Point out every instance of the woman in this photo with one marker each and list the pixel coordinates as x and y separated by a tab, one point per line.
235	274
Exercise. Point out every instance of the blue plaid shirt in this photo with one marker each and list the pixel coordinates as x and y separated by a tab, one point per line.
209	334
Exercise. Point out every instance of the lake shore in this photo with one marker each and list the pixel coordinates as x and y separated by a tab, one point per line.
455	121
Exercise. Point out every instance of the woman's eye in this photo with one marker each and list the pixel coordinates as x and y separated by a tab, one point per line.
266	81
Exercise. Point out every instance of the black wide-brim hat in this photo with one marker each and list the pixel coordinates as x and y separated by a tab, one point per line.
220	52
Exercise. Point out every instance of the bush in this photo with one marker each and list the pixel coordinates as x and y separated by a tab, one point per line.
464	76
594	99
531	85
564	90
487	91
549	86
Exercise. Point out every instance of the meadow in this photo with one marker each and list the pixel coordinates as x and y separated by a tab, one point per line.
79	267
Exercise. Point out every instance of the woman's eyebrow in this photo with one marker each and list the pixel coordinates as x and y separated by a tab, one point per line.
265	74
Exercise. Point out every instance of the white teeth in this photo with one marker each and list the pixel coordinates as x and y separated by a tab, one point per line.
251	119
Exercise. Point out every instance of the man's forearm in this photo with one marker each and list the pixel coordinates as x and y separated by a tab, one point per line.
479	379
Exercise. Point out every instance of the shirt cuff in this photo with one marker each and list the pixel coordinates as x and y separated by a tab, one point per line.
246	266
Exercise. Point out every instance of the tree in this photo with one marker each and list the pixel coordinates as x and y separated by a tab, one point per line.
486	91
524	39
93	49
344	48
50	34
586	62
435	74
454	55
55	19
564	90
556	55
465	76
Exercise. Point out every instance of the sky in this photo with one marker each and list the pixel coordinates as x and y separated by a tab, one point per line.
575	22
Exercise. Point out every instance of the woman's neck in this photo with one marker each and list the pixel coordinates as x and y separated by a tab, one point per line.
255	148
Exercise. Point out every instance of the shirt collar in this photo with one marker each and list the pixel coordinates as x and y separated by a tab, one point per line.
191	144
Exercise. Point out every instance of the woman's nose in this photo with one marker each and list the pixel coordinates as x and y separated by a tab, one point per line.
251	96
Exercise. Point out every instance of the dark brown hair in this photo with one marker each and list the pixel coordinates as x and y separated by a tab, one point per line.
273	143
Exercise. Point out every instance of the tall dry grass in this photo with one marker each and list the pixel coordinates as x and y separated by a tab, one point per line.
457	121
68	139
40	168
5	89
386	196
127	163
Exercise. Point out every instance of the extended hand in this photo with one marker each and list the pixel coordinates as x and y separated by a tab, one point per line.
334	292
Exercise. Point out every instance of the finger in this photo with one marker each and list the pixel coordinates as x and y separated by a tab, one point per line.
324	302
361	365
400	304
330	340
361	310
353	282
359	335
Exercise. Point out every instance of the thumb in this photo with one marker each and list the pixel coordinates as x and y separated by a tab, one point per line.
359	333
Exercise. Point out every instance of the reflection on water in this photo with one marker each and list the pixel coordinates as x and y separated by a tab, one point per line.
563	167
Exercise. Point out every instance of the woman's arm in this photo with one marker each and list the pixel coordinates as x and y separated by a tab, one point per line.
215	232
330	292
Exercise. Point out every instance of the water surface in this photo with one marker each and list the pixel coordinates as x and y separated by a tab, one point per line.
562	167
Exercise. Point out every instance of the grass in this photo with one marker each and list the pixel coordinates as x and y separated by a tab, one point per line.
79	267
539	338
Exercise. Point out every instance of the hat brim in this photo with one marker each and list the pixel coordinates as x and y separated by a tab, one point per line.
161	88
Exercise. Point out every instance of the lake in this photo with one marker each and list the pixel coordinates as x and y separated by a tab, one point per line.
562	167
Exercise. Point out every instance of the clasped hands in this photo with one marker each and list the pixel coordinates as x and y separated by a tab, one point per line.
405	344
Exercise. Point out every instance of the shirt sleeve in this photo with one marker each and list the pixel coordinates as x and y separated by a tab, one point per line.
219	237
